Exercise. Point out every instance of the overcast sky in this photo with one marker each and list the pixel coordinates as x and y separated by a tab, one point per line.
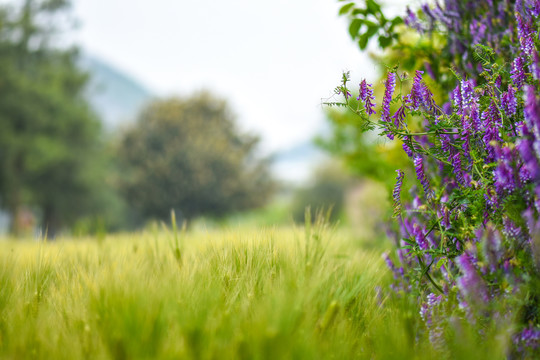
274	60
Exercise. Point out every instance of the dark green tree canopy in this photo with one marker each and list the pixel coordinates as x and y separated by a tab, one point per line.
49	137
188	155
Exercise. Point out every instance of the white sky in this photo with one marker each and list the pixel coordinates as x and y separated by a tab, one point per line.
273	60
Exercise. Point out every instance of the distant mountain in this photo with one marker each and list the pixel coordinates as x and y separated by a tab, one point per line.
115	96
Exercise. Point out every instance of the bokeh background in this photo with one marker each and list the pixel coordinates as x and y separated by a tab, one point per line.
115	113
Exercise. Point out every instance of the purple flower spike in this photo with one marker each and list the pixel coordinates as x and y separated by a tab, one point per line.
532	111
517	73
467	93
420	174
411	20
420	237
534	7
528	339
420	95
429	314
534	67
366	95
407	148
504	174
399	116
390	86
456	163
470	283
417	96
509	102
525	35
478	31
457	98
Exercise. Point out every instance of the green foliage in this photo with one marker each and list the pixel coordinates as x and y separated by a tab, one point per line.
49	139
187	155
279	293
369	22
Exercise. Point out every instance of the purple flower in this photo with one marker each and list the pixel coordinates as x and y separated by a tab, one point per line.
429	70
532	111
528	339
504	174
411	20
512	231
525	35
534	67
445	144
475	119
478	31
420	174
517	72
420	94
366	95
420	237
458	171
467	93
399	116
491	124
534	7
492	249
457	98
470	283
530	169
390	85
509	101
429	314
406	146
398	273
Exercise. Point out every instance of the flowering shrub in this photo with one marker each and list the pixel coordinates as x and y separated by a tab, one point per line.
468	244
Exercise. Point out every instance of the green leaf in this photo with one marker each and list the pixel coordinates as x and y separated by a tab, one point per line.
373	7
384	41
345	8
396	21
355	26
363	41
357	11
372	30
441	262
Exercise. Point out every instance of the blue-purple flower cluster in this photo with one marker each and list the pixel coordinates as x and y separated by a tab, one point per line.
470	240
366	95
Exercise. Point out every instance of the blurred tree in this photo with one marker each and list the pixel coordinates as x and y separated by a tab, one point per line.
49	139
187	155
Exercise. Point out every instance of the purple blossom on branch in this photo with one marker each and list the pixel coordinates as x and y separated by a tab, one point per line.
518	73
366	95
411	20
528	339
509	101
525	35
389	91
421	175
470	283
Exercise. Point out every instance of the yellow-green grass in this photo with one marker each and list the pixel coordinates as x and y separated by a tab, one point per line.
271	293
